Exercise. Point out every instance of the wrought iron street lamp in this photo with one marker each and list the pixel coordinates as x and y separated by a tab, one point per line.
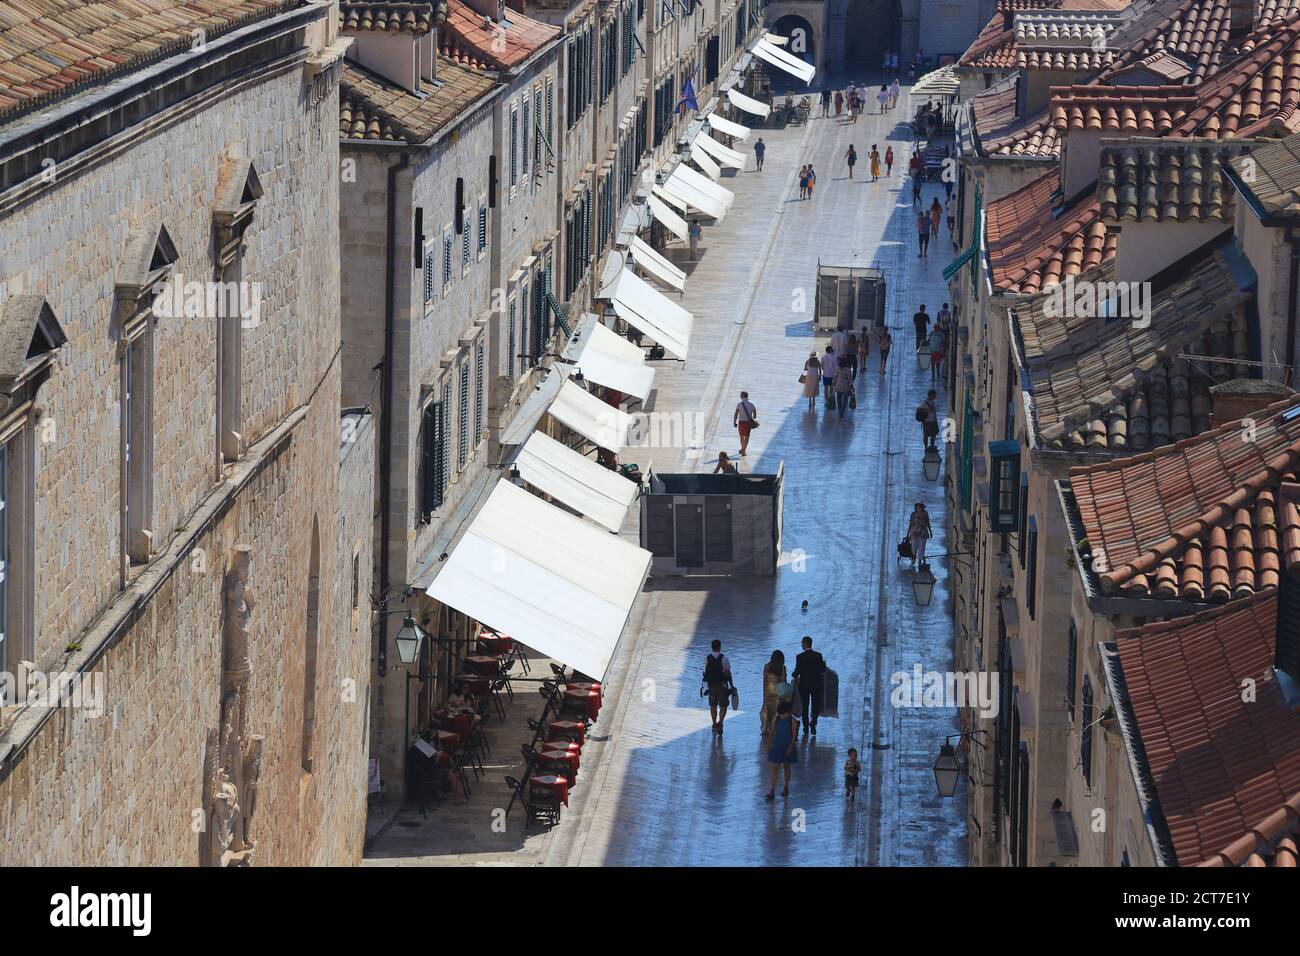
408	641
946	770
923	582
931	463
923	355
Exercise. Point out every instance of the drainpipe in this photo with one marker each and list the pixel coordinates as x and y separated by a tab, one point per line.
1294	242
386	431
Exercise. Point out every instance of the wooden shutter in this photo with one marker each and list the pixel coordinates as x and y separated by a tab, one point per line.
1071	667
1085	731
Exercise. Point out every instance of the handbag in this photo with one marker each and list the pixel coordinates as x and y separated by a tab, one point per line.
735	699
853	398
803	377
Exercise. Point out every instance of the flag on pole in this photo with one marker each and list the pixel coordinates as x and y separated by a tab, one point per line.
687	101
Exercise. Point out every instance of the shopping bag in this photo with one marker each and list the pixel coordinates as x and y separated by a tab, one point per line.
796	705
830	693
735	699
853	399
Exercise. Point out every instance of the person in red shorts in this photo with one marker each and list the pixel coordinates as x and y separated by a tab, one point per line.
745	420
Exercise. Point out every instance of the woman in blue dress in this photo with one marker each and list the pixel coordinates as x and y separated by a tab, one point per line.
782	752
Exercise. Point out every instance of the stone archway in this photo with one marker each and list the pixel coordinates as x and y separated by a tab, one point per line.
804	23
803	40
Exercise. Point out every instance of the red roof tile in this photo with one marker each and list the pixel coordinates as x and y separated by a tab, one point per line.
473	40
1206	519
1164	180
374	108
1148	110
52	48
1222	773
1031	245
1197	31
392	16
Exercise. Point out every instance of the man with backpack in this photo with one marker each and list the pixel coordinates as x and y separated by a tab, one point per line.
927	413
717	678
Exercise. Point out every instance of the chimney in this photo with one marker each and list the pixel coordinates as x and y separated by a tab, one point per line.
1241	17
1241	397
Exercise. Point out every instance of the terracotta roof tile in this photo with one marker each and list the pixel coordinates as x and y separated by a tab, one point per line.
373	108
1148	110
1222	774
1258	94
1031	244
1209	518
53	48
391	16
1111	386
1198	31
1166	180
473	40
1271	174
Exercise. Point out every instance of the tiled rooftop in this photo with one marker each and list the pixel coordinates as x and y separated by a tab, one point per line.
1171	69
373	108
390	16
52	48
1031	245
1210	518
1271	174
472	40
1222	773
1058	39
1109	386
1197	31
1258	94
1166	180
1148	110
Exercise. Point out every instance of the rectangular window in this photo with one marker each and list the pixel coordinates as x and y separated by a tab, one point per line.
478	392
433	458
230	426
1023	526
1085	732
429	266
523	133
137	443
1071	667
511	341
514	147
462	452
1031	582
482	225
537	137
446	259
464	246
1004	476
550	112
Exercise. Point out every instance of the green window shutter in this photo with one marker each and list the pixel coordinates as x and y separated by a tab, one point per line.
482	226
444	446
478	393
510	341
537	139
525	128
462	452
1071	667
1004	485
428	275
1085	731
446	259
464	244
430	461
1031	580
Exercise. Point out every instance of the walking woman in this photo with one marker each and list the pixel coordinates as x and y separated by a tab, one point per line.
812	180
811	378
883	99
919	531
782	753
839	102
864	350
936	214
851	157
889	160
875	163
886	343
850	356
803	182
773	677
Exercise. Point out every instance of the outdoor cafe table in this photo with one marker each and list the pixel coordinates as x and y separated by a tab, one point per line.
570	758
591	698
446	740
496	643
476	684
485	664
549	781
459	722
568	728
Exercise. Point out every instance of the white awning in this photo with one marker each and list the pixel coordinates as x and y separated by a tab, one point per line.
608	359
941	82
650	311
779	58
723	154
748	103
700	191
551	581
775	39
534	406
599	422
670	220
676	192
655	264
727	127
705	161
670	197
588	488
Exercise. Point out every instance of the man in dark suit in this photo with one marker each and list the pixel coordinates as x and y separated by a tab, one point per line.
809	668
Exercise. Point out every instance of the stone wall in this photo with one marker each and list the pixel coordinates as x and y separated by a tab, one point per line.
127	787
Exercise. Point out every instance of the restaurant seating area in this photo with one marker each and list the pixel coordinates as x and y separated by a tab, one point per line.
455	744
553	756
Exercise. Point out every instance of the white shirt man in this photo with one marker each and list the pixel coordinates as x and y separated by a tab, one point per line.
839	342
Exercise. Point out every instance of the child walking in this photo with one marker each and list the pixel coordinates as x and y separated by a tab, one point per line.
852	774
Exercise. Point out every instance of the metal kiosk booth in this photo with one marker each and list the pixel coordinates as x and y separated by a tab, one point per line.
849	297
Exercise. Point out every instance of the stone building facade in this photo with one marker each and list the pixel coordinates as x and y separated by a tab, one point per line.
185	484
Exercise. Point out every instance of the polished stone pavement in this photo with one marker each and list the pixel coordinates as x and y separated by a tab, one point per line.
667	793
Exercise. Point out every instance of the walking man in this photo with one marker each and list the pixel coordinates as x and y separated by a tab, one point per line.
916	189
745	420
809	668
921	322
717	678
929	419
759	149
851	157
830	365
826	102
922	234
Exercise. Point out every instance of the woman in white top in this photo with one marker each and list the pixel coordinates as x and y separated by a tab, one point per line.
812	377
